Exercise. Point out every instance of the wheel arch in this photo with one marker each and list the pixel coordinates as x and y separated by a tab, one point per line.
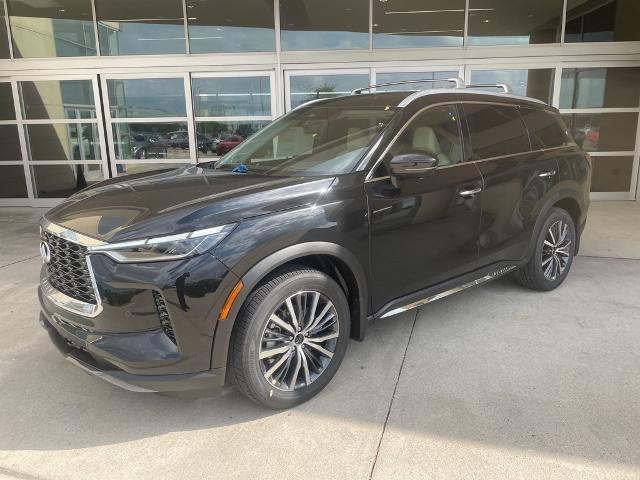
330	258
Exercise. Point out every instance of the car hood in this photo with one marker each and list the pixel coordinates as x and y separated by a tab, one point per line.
163	203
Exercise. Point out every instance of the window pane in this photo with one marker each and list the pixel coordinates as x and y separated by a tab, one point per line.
232	96
7	111
4	37
133	168
416	23
12	182
602	21
221	27
402	76
62	142
61	181
310	87
600	87
151	140
63	28
327	25
217	138
495	131
496	22
605	132
140	27
434	132
545	129
57	99
9	143
611	174
535	83
149	97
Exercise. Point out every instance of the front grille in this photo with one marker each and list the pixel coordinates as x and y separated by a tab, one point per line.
68	271
163	315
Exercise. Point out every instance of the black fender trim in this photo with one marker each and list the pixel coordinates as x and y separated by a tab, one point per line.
251	279
544	210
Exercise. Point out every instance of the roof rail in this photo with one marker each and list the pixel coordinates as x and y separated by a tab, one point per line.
459	83
505	88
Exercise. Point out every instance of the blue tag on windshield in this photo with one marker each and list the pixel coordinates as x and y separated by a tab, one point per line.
242	168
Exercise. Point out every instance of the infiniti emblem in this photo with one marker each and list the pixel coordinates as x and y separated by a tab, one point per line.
45	252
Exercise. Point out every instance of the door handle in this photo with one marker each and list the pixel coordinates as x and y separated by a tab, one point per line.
471	192
550	173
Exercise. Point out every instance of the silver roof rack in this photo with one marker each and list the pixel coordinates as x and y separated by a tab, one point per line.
503	86
459	83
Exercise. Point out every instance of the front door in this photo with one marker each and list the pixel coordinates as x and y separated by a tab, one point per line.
424	230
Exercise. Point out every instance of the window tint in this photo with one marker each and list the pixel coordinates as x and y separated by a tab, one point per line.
495	130
435	132
546	130
602	21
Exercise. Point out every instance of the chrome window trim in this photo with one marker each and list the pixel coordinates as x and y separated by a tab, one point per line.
56	296
370	178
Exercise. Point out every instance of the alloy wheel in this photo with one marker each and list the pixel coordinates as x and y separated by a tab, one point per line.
299	340
556	250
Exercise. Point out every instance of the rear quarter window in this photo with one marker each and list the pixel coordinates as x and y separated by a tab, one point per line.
546	129
495	130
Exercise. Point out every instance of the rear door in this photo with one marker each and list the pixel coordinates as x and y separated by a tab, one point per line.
424	230
516	179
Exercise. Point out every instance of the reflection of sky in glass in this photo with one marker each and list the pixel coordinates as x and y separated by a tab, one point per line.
131	38
381	40
309	87
149	97
583	88
222	39
516	79
231	96
308	40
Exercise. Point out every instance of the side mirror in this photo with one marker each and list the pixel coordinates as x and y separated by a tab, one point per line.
412	165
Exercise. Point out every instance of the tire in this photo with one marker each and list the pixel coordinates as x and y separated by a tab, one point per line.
547	270
256	336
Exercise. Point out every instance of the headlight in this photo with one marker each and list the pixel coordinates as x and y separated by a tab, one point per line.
172	247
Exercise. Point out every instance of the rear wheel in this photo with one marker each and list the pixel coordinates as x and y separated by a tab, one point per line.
553	255
291	338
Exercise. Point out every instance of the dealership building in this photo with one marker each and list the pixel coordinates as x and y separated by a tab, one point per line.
93	89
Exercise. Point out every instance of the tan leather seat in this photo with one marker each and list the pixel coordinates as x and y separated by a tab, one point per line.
425	140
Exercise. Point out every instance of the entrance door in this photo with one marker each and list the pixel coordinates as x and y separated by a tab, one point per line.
424	230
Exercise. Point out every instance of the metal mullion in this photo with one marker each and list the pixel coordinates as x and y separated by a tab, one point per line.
10	162
101	130
621	153
564	21
557	85
95	28
59	121
108	123
249	118
371	28
8	122
635	170
465	35
186	27
149	120
8	23
151	161
66	162
23	140
191	126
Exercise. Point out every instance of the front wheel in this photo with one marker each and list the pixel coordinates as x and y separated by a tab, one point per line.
553	254
290	338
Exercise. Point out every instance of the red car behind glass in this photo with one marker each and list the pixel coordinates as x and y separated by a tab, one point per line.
227	144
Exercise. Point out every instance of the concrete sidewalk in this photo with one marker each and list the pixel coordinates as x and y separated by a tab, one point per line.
497	382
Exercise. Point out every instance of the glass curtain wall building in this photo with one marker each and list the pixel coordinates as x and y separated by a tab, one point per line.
94	89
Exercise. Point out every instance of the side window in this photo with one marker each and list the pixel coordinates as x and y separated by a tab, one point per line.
495	130
546	130
435	132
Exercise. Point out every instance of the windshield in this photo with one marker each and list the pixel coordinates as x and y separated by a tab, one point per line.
324	139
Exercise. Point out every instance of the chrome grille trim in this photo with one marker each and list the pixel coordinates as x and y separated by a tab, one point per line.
60	298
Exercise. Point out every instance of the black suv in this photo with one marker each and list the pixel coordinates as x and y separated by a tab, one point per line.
256	270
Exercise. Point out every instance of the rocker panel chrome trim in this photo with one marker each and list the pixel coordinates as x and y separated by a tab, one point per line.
432	298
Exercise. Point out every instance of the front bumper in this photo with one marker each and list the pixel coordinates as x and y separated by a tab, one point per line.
126	341
75	345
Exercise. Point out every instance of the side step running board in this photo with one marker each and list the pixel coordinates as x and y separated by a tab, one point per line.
432	298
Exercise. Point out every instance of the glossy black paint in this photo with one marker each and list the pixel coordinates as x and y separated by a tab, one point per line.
386	240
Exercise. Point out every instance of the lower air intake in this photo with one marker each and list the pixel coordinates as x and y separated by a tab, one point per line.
163	315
